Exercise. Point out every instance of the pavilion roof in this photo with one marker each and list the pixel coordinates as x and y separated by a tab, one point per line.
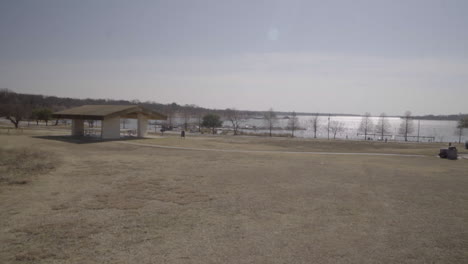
99	112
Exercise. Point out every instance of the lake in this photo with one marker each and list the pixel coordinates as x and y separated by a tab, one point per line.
434	130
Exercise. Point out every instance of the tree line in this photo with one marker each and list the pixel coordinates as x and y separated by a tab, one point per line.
367	127
18	107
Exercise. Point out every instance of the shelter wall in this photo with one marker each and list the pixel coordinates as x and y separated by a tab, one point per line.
142	125
110	128
77	127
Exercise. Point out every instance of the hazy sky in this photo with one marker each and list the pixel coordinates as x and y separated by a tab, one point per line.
327	56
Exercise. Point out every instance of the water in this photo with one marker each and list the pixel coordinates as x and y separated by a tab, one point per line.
437	130
440	131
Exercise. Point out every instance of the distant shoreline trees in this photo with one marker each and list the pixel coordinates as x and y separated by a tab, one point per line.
236	119
315	122
366	125
336	127
293	123
17	108
186	114
383	126
406	126
461	124
270	119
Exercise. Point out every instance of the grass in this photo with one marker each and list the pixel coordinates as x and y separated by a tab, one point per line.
299	144
17	166
108	202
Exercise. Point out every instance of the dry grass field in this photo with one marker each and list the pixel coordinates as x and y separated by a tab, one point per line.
114	202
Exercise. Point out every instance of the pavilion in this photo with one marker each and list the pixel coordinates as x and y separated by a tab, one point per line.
110	116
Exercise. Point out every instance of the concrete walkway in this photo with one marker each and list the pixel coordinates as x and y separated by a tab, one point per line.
271	151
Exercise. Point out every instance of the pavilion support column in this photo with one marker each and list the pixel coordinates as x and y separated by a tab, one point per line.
77	127
142	125
110	128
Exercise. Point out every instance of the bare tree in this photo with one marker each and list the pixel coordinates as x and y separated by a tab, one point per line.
336	127
196	113
15	112
170	112
315	122
186	115
366	125
462	123
293	123
199	113
236	118
200	120
406	126
383	126
14	107
168	123
270	119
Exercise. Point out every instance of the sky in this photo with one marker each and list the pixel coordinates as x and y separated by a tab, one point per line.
306	56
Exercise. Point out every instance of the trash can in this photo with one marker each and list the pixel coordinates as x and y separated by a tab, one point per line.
466	144
443	153
452	153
